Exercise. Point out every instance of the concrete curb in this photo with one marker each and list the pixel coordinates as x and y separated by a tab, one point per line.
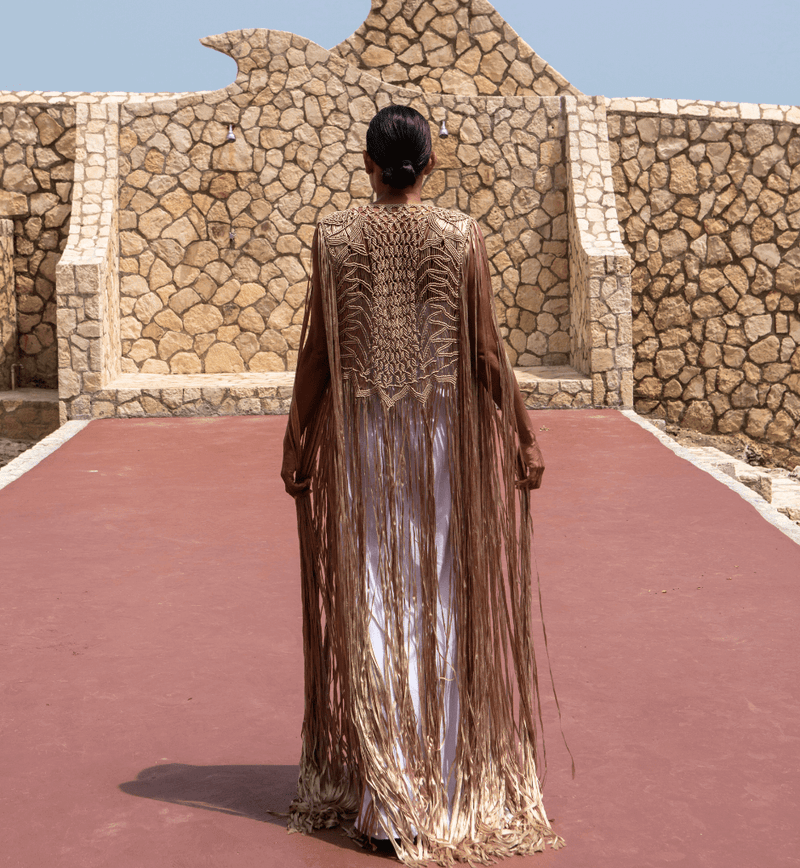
765	509
31	457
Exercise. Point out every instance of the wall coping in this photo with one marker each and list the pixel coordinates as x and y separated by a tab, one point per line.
51	97
744	111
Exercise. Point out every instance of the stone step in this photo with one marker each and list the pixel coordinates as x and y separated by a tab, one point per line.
28	414
256	393
554	387
782	491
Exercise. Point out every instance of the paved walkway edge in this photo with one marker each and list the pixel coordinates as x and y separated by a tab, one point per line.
31	457
766	510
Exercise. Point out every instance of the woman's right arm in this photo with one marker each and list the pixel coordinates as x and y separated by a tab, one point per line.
487	362
310	380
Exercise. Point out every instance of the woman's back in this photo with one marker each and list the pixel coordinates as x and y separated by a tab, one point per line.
398	276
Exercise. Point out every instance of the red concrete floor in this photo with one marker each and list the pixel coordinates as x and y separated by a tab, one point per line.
151	655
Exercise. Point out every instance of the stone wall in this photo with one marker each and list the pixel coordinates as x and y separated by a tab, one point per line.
215	236
709	206
449	46
182	285
8	305
37	149
505	165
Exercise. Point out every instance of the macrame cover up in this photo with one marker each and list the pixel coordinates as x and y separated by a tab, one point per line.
420	678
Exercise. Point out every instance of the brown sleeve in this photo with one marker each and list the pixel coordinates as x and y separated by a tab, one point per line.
313	371
486	343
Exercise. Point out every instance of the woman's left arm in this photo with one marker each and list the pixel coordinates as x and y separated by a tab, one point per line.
487	361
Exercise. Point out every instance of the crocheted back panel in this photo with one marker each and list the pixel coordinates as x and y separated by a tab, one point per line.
398	274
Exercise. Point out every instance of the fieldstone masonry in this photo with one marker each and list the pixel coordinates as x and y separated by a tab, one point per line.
214	272
183	279
8	305
709	203
37	149
447	46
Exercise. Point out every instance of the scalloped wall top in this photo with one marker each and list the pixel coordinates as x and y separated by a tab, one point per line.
258	52
438	46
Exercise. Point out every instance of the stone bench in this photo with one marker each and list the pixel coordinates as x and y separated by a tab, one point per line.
28	414
131	395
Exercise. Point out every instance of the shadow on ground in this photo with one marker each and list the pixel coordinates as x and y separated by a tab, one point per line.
257	792
260	793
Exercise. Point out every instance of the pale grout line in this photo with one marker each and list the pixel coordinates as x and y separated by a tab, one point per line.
766	510
46	446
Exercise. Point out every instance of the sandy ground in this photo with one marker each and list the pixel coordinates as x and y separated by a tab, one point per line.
738	446
10	449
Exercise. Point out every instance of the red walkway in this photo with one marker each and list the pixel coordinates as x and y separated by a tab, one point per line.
150	701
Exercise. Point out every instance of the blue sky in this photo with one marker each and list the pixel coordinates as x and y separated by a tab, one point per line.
695	49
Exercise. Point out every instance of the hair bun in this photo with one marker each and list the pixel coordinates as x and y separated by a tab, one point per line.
404	175
401	175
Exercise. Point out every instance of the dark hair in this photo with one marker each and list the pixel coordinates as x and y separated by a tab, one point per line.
399	141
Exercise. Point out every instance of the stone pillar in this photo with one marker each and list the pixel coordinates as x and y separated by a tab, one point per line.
600	267
8	304
87	282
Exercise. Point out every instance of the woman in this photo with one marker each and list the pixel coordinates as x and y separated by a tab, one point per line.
410	455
